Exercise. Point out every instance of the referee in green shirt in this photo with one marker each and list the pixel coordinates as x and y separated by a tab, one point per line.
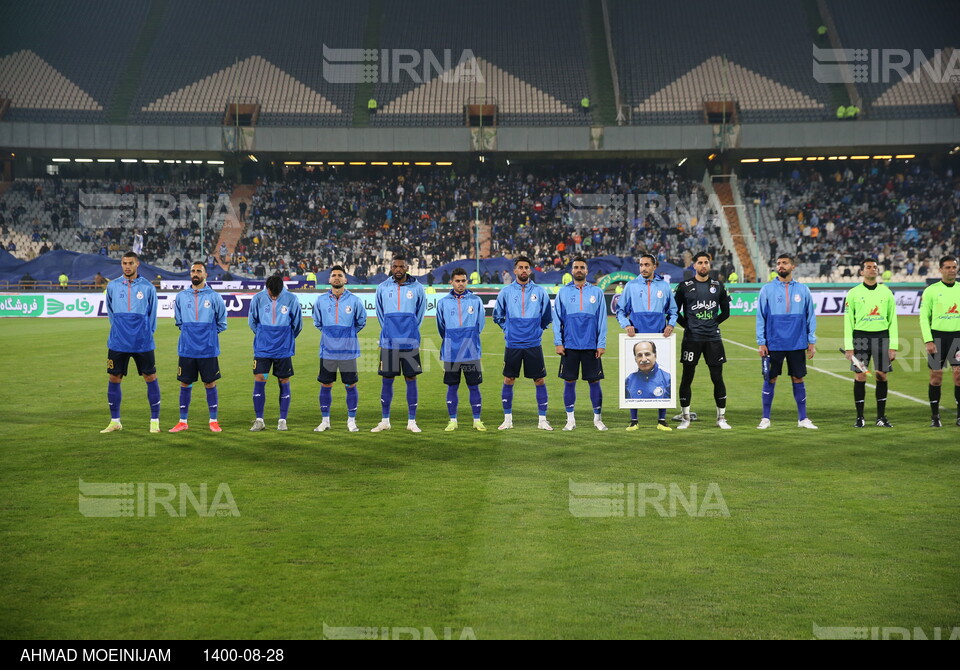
870	332
940	326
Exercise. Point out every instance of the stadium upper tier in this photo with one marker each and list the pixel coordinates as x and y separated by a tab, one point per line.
889	32
319	62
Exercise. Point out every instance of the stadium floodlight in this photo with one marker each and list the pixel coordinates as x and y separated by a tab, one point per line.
449	162
908	155
60	160
423	163
859	158
314	162
749	160
682	161
128	160
772	160
82	160
106	160
169	160
214	162
379	163
794	159
358	162
151	160
253	158
293	163
882	158
333	163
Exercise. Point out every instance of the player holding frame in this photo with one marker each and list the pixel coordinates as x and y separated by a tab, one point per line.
870	333
201	315
339	315
702	305
132	310
647	306
460	320
580	338
940	326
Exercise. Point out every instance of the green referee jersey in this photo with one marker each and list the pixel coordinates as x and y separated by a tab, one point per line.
870	310
939	309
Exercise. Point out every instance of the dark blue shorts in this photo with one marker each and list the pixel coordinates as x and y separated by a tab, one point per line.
329	368
118	361
575	361
207	369
530	358
472	373
796	363
282	367
394	362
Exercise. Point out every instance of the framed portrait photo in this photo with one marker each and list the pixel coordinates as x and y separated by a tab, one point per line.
647	371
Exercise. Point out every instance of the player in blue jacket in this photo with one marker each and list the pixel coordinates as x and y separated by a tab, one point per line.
339	315
275	320
401	304
647	305
460	320
580	338
132	310
201	315
523	312
786	330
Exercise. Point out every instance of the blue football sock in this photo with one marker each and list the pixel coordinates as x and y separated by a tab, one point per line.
185	393
768	390
633	415
353	397
114	394
259	398
453	400
506	396
213	402
800	395
153	397
569	395
661	414
542	400
284	400
412	399
326	397
475	402
596	397
386	397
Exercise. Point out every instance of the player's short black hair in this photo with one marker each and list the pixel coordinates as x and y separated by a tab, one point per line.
788	257
864	262
200	263
399	257
702	254
651	257
457	272
274	285
579	259
338	267
650	342
947	259
521	259
131	254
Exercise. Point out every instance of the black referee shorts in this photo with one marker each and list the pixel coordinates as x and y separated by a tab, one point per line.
948	350
873	346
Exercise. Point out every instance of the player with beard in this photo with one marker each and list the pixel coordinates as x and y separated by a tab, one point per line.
201	315
702	305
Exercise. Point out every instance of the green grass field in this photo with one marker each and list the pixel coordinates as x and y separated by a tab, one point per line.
839	527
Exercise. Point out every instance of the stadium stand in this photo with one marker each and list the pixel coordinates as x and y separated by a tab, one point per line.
886	25
674	56
905	216
532	63
204	57
61	61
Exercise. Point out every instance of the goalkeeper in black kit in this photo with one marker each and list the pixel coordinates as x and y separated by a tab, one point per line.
702	304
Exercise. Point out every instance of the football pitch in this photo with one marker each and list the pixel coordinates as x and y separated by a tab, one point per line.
781	533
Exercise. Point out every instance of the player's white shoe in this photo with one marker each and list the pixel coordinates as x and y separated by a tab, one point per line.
570	425
324	425
598	424
257	425
507	423
543	424
382	426
806	423
722	423
764	424
352	425
112	426
684	423
282	424
413	427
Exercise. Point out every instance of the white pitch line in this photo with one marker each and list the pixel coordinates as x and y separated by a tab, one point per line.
834	374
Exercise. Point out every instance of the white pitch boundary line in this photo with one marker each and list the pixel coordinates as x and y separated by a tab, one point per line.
834	374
